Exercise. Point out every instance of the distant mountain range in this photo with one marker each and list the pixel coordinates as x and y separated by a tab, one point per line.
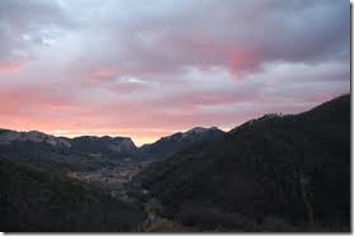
7	137
83	144
91	152
106	145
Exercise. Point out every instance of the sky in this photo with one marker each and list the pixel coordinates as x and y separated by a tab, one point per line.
149	68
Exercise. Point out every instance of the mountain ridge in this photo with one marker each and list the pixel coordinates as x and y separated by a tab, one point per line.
176	142
165	146
39	136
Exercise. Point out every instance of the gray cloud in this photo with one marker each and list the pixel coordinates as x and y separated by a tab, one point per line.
27	24
239	36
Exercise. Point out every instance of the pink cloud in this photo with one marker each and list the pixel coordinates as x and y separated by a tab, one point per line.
8	68
103	74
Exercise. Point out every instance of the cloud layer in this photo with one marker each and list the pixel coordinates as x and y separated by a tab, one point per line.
147	68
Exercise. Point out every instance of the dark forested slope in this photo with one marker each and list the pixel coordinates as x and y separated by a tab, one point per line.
294	169
34	200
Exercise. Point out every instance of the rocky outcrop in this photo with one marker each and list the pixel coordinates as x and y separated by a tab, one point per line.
85	144
8	136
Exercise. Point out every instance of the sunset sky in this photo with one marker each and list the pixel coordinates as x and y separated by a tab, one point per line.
149	68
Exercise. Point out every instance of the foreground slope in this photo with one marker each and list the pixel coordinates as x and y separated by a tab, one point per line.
276	173
34	200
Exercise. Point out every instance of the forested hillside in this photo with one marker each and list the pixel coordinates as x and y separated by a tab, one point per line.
277	173
32	200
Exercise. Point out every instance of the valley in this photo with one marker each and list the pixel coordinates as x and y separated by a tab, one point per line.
113	179
115	176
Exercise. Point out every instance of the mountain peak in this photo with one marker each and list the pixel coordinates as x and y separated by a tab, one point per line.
197	130
179	141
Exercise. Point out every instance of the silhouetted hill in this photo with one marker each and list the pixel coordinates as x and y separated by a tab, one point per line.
169	145
34	200
90	152
275	173
103	145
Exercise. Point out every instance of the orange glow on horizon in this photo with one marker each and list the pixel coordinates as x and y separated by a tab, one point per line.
138	140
